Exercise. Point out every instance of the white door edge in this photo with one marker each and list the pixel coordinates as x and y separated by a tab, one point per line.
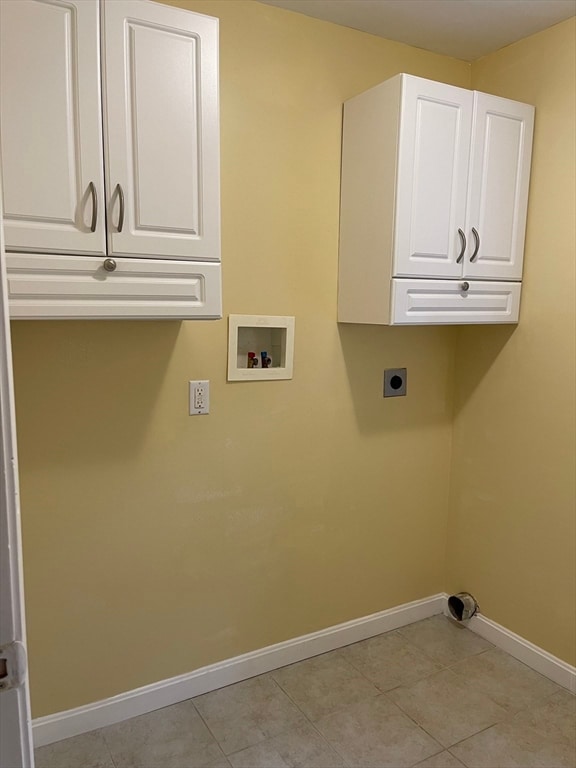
16	749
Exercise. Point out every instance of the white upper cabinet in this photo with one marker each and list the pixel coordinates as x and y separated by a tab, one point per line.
50	127
498	194
161	131
462	182
435	187
433	161
109	146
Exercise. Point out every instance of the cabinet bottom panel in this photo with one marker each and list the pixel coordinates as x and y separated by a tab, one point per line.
457	302
80	287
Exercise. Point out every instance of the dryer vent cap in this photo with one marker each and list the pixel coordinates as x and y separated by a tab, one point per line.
462	606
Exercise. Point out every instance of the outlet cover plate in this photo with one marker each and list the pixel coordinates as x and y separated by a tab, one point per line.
395	381
199	398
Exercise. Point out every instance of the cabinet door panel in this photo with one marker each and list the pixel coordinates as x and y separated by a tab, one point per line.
161	95
498	196
433	163
50	126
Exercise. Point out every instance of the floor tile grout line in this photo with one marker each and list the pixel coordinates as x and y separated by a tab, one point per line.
354	667
443	666
416	680
514	712
266	738
417	647
380	692
217	741
473	735
335	711
509	716
383	695
417	724
507	654
373	682
437	661
472	656
429	756
454	756
108	747
399	632
110	752
444	749
311	722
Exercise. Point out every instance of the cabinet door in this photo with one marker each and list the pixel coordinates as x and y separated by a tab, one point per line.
50	126
161	128
498	191
433	161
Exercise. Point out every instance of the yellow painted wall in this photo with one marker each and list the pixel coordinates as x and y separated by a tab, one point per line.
155	543
512	531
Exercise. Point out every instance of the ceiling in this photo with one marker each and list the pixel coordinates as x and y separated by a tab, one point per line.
465	29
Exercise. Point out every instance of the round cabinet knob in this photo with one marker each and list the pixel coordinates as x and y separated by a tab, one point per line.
110	265
464	286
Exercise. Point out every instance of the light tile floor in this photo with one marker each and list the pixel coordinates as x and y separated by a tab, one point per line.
432	695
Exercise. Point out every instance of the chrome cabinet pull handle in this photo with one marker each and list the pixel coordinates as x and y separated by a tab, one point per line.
477	248
463	241
109	265
121	198
92	189
465	285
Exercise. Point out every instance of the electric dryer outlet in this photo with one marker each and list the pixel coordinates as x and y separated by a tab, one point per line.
395	382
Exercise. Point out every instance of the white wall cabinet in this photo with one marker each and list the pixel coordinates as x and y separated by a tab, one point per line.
434	186
109	145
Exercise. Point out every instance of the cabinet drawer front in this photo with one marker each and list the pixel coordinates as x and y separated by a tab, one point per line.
162	133
62	287
443	302
50	126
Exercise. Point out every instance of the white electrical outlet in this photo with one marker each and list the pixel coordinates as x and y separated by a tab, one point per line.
199	397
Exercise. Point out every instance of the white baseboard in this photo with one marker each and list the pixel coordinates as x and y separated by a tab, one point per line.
63	725
541	661
72	722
